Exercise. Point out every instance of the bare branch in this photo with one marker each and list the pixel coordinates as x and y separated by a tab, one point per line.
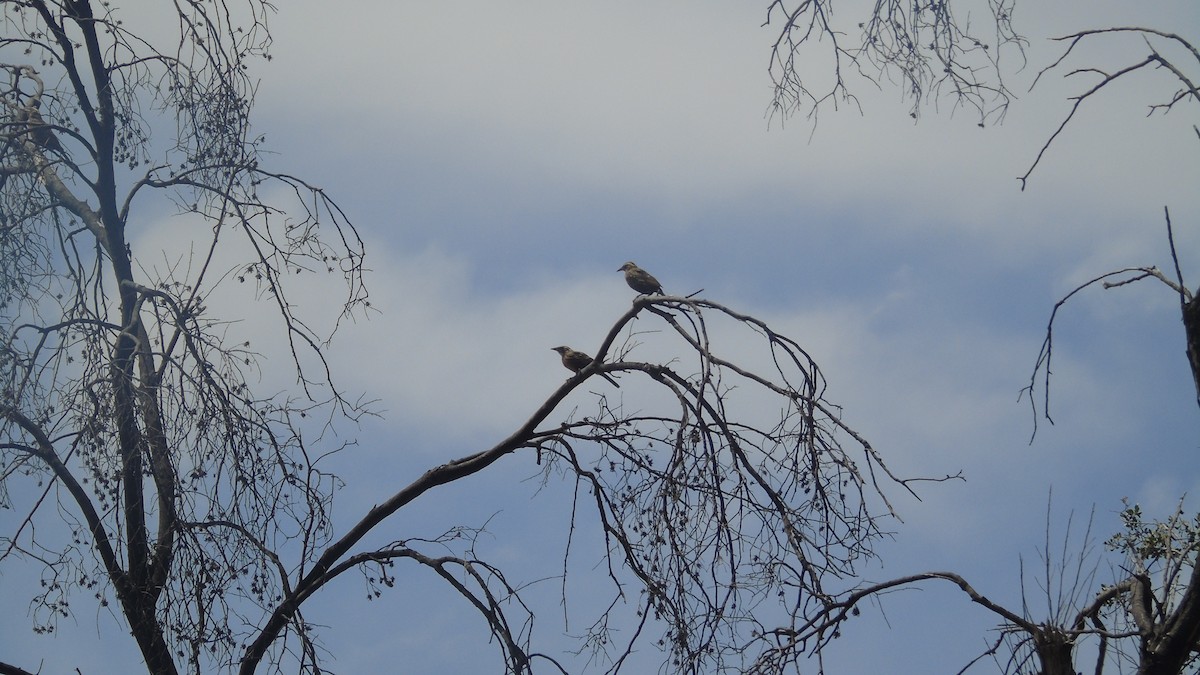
1042	367
924	47
1155	59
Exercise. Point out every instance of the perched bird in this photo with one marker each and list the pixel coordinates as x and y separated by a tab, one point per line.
38	129
576	361
640	280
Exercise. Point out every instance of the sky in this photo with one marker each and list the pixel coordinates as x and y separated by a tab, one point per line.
501	160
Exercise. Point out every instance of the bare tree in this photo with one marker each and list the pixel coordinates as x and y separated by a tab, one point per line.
143	464
730	524
931	53
1145	621
1158	603
1147	618
123	410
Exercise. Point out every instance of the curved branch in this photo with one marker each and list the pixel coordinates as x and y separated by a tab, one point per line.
791	642
318	575
1045	355
44	451
1154	59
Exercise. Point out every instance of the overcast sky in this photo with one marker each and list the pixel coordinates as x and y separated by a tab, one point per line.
501	160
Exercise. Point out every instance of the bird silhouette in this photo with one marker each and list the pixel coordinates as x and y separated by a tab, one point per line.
639	279
39	131
576	361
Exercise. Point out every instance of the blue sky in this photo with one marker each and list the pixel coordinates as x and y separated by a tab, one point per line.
503	159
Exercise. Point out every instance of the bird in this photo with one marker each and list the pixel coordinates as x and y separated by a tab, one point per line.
38	129
639	279
576	361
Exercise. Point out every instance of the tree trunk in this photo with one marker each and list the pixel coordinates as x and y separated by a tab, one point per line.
1191	327
1170	651
1054	650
